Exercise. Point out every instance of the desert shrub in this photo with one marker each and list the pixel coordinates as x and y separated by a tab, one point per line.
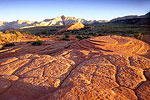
37	43
9	44
7	37
1	32
10	37
66	35
79	37
17	33
1	47
66	39
26	32
138	36
83	37
2	38
6	32
13	37
29	36
38	38
100	34
29	42
43	32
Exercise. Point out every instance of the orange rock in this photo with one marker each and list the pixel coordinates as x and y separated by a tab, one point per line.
107	67
147	74
74	26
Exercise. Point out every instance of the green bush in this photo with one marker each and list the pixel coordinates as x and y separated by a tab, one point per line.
9	44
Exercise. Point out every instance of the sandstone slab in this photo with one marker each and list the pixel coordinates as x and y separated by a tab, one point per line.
100	68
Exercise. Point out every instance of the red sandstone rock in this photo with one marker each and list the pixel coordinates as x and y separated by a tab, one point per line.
107	68
147	74
143	91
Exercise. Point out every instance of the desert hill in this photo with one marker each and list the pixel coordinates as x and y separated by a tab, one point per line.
73	26
107	67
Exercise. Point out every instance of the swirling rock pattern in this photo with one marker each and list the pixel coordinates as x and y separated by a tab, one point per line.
100	68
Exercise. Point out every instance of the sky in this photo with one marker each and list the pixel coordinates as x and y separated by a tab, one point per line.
38	10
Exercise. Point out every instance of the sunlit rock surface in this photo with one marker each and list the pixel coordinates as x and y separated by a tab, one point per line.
74	26
99	68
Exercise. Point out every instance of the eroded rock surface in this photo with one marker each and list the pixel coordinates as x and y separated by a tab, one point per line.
37	75
100	68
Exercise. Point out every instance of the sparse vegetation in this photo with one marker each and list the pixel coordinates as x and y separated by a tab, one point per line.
138	36
49	32
9	44
37	42
38	38
79	37
1	32
45	30
82	37
6	32
1	47
17	33
28	36
7	37
66	39
29	42
66	35
92	30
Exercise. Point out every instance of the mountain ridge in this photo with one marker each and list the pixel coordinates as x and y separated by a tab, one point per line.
61	20
133	19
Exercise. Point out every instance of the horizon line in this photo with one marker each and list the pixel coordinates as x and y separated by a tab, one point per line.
73	16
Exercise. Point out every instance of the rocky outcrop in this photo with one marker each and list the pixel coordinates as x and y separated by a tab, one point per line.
74	26
108	68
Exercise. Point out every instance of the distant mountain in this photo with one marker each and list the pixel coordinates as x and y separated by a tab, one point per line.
15	24
133	19
62	20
